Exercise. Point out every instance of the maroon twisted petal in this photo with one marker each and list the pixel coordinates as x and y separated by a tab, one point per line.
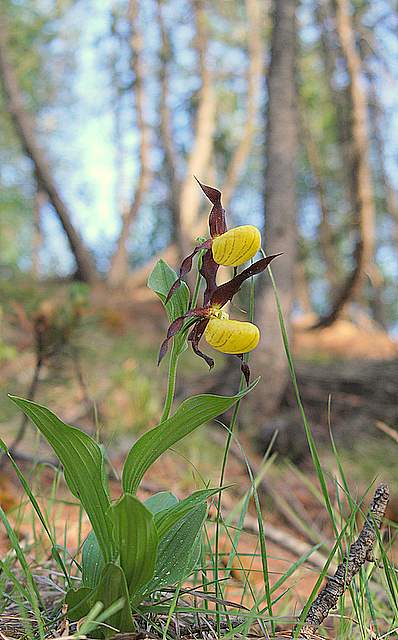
226	291
194	337
209	270
217	222
186	267
175	327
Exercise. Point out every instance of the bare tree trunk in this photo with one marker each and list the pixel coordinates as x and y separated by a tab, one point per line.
199	157
361	176
390	199
118	271
341	100
326	236
340	96
25	131
280	208
255	19
166	131
40	199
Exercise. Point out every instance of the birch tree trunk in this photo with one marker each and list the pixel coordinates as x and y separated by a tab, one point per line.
200	155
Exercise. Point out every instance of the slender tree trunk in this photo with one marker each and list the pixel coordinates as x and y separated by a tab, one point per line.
341	101
166	130
40	199
340	97
280	208
25	130
390	196
255	24
361	176
119	268
200	155
325	231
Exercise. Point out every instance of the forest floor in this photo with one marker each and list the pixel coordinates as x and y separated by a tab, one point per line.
109	363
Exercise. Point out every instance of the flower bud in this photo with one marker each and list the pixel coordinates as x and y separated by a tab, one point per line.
231	336
236	246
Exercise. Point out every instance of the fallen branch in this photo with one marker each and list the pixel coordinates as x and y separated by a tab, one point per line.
387	430
361	551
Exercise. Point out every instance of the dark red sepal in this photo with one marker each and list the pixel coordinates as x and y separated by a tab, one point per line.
209	270
194	338
226	291
186	267
244	367
217	222
174	328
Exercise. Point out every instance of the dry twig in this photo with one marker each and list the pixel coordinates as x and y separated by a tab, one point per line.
387	430
361	551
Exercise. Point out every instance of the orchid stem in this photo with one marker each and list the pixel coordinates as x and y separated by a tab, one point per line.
176	351
171	383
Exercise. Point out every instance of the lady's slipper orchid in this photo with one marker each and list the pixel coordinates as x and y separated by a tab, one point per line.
236	246
231	336
225	335
230	248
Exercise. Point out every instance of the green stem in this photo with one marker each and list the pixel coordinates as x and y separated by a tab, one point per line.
176	351
171	383
197	283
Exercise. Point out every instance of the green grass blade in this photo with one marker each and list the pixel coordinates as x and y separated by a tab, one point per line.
37	509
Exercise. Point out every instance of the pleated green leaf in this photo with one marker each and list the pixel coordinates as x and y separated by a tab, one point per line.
179	550
136	540
92	561
161	501
83	463
166	519
113	587
160	281
192	413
